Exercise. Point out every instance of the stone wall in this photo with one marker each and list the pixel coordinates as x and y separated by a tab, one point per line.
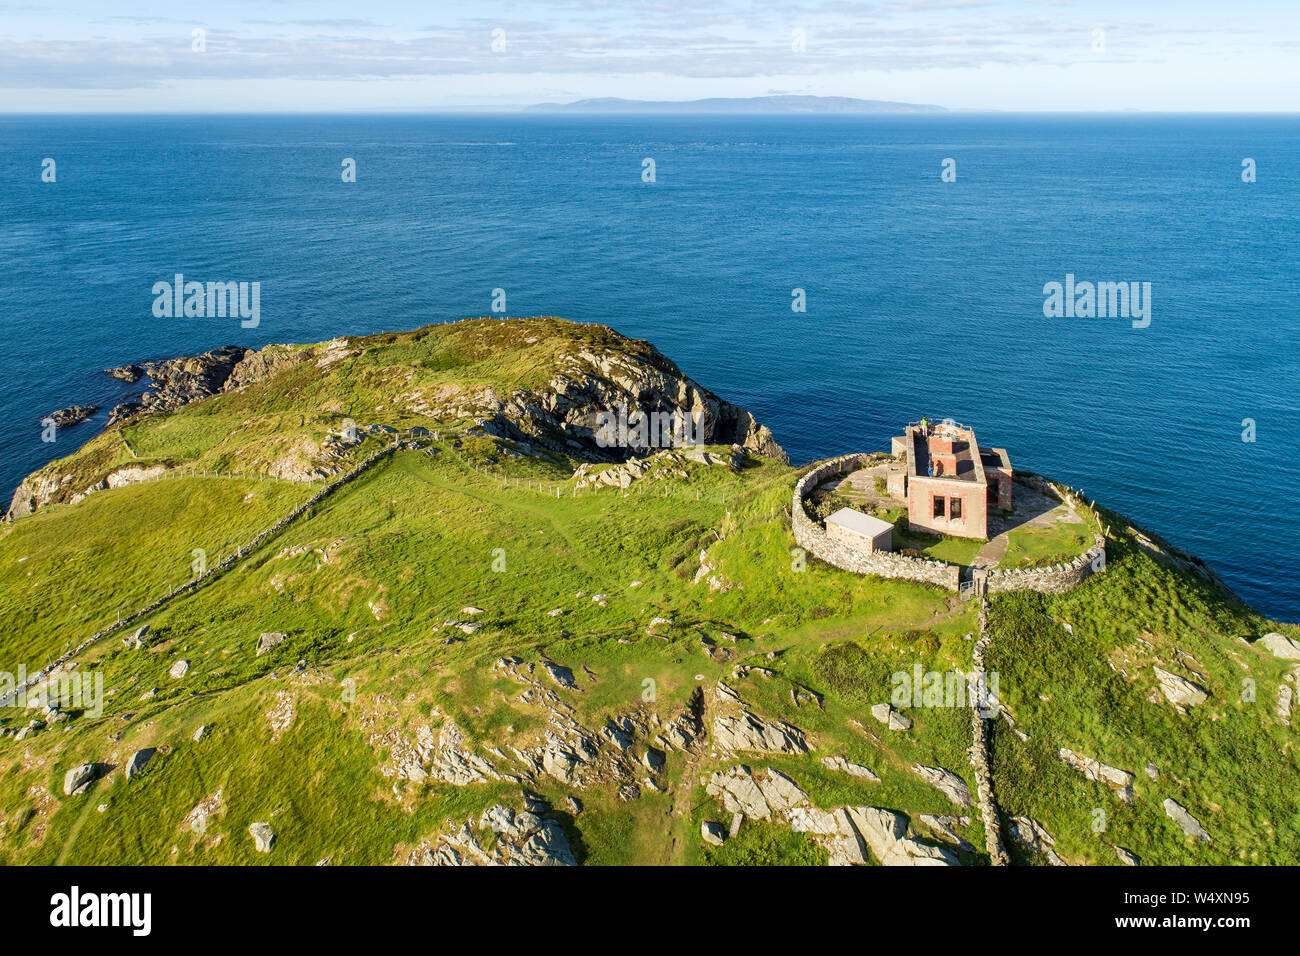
812	537
981	752
1058	578
225	564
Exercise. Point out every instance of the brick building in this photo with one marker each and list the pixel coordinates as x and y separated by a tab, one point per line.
949	481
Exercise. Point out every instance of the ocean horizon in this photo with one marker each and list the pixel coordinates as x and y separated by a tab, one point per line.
923	294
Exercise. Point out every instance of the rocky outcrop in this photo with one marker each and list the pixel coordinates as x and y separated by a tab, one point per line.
1280	646
885	833
127	373
268	640
138	761
184	379
946	782
1032	837
741	729
1120	781
637	383
945	825
137	639
521	839
852	769
1186	822
1180	691
847	833
891	718
72	415
263	836
658	465
78	780
451	760
626	378
197	819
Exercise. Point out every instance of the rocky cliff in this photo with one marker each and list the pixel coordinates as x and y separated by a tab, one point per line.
577	377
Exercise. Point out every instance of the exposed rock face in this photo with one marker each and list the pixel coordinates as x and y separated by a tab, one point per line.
629	378
197	819
1188	823
127	373
852	769
640	380
946	782
39	489
885	832
1033	838
739	792
522	839
179	669
1127	857
845	832
138	761
137	639
268	640
558	673
712	833
748	732
78	780
184	379
1121	781
72	415
451	761
890	717
1180	691
1281	646
946	825
743	730
262	836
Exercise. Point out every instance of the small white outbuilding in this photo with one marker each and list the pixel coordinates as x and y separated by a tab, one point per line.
860	531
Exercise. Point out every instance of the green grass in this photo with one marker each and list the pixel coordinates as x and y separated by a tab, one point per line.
1043	547
364	584
766	844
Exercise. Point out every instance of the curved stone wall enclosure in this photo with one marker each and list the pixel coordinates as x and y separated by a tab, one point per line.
812	537
886	564
1058	578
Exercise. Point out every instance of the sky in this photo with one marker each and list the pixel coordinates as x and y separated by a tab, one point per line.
385	55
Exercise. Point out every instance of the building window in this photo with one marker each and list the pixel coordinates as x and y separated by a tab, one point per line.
954	510
938	506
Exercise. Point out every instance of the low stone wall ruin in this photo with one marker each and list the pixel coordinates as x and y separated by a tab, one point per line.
1056	579
812	537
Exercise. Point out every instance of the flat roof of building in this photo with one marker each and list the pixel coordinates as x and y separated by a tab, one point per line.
864	524
965	449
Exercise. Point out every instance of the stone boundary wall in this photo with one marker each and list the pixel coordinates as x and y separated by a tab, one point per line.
1058	578
812	537
207	576
981	752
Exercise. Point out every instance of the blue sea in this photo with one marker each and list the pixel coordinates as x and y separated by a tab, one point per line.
922	296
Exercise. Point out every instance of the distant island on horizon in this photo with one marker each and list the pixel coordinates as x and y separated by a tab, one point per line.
741	104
